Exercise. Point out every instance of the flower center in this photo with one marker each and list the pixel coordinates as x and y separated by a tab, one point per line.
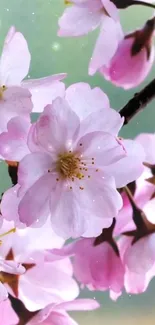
68	165
2	89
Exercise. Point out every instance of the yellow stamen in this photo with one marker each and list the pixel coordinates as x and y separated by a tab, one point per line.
67	2
8	232
2	89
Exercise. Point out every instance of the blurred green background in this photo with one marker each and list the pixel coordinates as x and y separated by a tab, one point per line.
37	20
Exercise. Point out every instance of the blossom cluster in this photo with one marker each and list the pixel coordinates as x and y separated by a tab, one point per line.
73	177
123	59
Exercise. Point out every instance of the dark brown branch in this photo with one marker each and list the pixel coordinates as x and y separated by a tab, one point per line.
138	102
122	4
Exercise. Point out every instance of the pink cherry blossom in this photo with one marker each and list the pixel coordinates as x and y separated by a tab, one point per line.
85	16
96	266
44	281
97	158
133	59
14	67
138	271
7	314
68	187
70	216
56	313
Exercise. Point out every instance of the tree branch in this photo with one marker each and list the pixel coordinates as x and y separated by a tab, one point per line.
138	102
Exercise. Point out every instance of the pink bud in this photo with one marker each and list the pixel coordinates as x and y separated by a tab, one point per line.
133	59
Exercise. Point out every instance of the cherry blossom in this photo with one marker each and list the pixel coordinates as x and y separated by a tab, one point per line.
43	282
96	266
7	314
56	313
137	220
68	166
133	59
85	16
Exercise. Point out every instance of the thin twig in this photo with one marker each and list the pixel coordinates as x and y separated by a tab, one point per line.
138	102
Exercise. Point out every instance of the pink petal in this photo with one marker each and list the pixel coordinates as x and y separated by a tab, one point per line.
135	283
96	225
11	267
35	239
84	100
106	268
101	57
105	119
149	209
9	203
32	167
35	203
77	21
55	318
56	117
45	90
69	218
41	285
13	143
133	160
110	9
3	296
15	102
15	59
7	314
104	148
102	198
144	249
147	140
79	304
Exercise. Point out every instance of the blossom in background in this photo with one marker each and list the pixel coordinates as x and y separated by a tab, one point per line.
15	95
139	224
133	59
7	314
56	313
98	267
44	281
10	268
82	17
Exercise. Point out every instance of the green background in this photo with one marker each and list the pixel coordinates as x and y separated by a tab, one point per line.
37	20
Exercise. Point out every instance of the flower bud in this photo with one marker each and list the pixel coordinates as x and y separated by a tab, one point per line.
133	59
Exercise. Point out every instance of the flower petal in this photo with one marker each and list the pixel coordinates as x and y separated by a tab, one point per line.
7	314
144	249
101	57
15	102
45	90
84	100
32	167
79	304
133	161
3	295
99	149
13	143
15	59
107	120
35	203
57	126
41	285
77	21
